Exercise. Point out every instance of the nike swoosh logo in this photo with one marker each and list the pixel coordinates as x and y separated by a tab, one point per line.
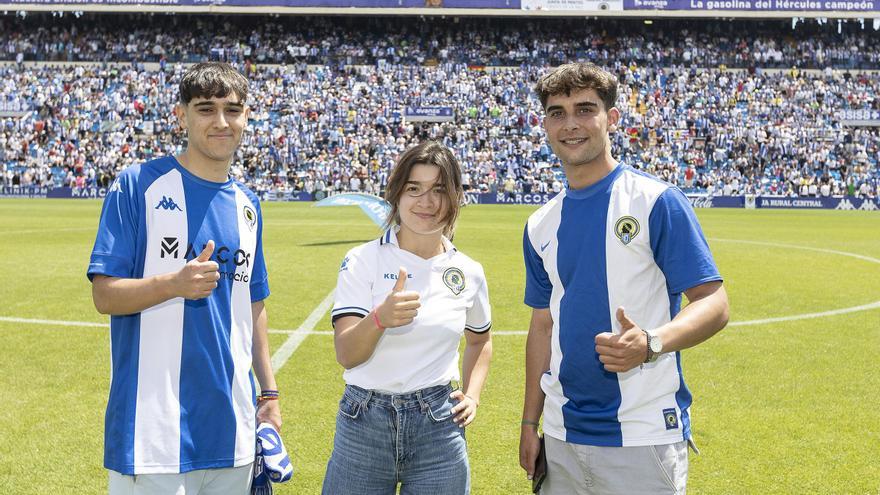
545	246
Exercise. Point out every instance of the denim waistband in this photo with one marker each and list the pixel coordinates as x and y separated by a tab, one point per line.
410	399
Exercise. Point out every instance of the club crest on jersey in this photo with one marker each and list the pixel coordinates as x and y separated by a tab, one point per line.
626	229
250	217
671	419
454	279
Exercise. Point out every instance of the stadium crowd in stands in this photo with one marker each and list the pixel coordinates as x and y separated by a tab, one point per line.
365	40
328	118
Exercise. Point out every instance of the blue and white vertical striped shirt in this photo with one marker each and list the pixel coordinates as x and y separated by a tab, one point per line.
629	240
181	392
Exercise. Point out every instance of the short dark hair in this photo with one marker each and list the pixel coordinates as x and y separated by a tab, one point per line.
427	153
577	76
212	80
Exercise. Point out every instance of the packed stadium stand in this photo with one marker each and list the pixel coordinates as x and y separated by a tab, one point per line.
719	107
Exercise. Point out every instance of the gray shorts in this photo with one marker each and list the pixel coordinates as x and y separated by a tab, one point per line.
574	469
223	481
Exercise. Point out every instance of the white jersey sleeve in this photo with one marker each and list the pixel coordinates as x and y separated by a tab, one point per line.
479	315
354	284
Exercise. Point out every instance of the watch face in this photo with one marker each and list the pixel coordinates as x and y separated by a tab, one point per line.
656	345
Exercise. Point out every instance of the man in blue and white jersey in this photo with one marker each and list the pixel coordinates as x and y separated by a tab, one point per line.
178	263
607	261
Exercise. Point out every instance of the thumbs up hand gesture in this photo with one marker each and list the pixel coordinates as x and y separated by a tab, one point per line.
624	351
400	307
199	277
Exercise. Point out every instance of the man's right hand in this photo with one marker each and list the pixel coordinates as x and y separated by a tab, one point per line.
400	307
529	447
199	277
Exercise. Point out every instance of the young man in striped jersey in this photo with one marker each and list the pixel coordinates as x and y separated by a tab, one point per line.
178	263
607	261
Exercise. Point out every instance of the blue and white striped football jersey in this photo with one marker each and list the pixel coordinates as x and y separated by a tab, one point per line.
629	240
181	395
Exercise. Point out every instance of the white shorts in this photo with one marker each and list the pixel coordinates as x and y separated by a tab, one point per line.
574	469
226	481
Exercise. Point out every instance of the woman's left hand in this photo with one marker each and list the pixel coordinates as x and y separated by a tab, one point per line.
466	410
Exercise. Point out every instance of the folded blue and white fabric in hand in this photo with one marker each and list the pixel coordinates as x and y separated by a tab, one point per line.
272	463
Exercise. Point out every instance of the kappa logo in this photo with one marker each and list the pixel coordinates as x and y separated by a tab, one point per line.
868	205
670	417
454	279
170	247
626	229
845	204
116	187
168	204
250	217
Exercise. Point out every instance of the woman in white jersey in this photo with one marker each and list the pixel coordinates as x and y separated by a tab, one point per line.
403	302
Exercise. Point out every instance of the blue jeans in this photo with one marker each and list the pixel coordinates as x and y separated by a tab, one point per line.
382	440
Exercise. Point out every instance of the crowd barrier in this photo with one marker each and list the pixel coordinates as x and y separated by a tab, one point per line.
697	200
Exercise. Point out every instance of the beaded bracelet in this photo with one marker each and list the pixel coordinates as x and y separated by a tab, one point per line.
267	395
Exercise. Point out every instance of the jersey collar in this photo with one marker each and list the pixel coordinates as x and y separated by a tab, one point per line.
603	185
199	180
390	237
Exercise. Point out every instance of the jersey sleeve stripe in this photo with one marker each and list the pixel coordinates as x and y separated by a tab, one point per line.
479	329
342	315
350	309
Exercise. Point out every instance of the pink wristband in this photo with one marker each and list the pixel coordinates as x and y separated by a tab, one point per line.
376	319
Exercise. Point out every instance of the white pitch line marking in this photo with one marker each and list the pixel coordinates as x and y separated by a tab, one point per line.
48	231
279	359
806	316
325	332
308	327
806	248
92	324
29	321
302	331
496	333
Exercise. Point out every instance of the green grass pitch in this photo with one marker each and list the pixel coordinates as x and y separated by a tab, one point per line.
787	407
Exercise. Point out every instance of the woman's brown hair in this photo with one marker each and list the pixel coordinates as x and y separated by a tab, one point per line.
434	154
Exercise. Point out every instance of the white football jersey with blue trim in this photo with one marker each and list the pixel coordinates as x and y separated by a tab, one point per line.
453	296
